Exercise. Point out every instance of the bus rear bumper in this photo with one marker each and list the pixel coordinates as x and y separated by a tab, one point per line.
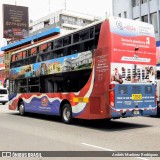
124	113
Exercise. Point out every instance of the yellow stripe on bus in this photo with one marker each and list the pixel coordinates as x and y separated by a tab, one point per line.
81	99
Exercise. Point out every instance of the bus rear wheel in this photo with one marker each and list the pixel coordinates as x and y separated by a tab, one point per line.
66	113
21	109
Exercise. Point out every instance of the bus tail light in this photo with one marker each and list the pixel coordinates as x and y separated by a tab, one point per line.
111	95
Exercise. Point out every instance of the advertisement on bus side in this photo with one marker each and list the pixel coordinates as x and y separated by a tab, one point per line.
73	62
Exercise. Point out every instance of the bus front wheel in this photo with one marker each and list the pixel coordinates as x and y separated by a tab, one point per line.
66	113
21	109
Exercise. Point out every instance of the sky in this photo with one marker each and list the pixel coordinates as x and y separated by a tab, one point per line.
41	8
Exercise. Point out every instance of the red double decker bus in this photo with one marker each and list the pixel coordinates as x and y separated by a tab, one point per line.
102	71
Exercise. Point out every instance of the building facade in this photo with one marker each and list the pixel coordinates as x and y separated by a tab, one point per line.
143	10
65	19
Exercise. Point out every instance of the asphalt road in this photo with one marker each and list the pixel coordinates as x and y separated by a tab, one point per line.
47	133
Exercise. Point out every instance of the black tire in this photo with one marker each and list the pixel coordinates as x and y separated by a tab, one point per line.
21	109
3	103
158	111
66	113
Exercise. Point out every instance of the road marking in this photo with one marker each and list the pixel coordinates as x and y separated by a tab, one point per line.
141	158
106	149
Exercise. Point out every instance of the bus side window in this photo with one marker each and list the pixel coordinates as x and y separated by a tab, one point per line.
16	57
33	51
24	54
91	32
19	55
67	40
28	53
76	37
49	47
58	43
38	49
38	57
13	59
43	47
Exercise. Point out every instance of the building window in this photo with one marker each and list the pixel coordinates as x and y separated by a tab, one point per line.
125	14
145	18
154	21
144	1
119	15
135	3
137	19
68	19
46	23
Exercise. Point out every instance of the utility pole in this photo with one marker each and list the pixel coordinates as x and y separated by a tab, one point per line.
65	4
49	4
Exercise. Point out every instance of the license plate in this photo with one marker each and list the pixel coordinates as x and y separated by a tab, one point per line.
135	112
137	97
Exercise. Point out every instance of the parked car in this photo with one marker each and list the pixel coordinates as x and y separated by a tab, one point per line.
3	95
